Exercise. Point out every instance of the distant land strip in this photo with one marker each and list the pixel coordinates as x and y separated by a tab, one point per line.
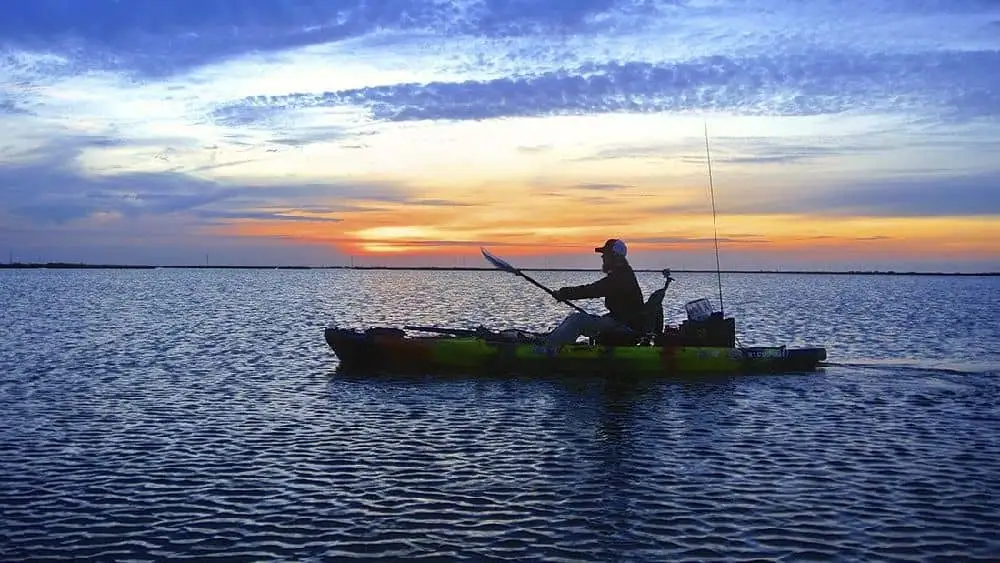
81	266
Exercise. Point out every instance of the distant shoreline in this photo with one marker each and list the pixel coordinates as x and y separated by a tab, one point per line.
80	266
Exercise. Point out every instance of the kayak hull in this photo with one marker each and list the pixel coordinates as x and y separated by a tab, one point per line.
392	350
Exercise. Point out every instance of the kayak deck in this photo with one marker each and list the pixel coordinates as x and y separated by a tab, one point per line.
393	350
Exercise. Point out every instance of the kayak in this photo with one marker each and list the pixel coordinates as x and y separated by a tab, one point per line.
705	343
389	349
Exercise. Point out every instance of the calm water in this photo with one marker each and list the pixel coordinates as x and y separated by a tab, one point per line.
197	413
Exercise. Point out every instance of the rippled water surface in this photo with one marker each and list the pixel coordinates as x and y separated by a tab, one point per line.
198	414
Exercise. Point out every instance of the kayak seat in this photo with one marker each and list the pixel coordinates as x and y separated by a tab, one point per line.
652	318
650	325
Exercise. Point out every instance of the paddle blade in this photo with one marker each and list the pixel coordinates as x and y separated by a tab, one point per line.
497	262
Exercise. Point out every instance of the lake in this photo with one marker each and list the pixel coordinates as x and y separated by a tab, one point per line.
198	413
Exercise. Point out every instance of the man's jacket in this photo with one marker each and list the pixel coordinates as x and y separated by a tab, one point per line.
621	292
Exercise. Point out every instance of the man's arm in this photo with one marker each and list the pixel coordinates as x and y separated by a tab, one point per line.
599	288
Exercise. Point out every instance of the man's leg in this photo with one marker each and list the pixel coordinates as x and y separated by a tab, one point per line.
601	324
577	324
568	330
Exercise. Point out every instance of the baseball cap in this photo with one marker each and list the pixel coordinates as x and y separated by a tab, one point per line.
614	246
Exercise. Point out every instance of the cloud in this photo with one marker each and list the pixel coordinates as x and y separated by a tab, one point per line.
313	134
762	151
344	192
658	151
743	239
534	149
277	215
962	84
441	203
8	106
398	243
745	150
155	39
61	195
678	209
928	195
598	186
121	23
916	197
50	188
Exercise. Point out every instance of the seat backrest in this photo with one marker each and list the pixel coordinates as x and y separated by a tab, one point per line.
652	313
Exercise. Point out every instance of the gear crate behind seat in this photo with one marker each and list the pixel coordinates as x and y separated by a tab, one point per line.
715	331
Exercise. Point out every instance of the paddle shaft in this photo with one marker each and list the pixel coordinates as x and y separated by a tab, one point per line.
505	266
550	292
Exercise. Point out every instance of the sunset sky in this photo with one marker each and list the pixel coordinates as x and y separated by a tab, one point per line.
411	132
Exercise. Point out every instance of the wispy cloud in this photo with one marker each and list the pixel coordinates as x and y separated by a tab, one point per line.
680	240
944	195
602	186
763	151
631	151
52	188
276	215
741	149
50	193
441	203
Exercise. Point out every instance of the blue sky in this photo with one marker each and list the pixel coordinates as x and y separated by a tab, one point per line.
411	132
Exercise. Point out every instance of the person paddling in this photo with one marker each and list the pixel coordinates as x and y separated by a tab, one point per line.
622	297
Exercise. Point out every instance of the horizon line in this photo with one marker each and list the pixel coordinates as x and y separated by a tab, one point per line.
86	266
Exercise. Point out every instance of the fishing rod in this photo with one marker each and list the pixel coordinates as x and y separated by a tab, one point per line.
715	224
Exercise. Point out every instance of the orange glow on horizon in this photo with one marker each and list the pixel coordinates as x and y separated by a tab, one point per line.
437	233
548	220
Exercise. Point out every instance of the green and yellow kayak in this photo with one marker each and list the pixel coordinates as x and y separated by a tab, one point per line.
383	349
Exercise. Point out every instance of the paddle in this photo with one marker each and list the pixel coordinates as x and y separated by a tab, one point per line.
497	262
481	332
451	331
